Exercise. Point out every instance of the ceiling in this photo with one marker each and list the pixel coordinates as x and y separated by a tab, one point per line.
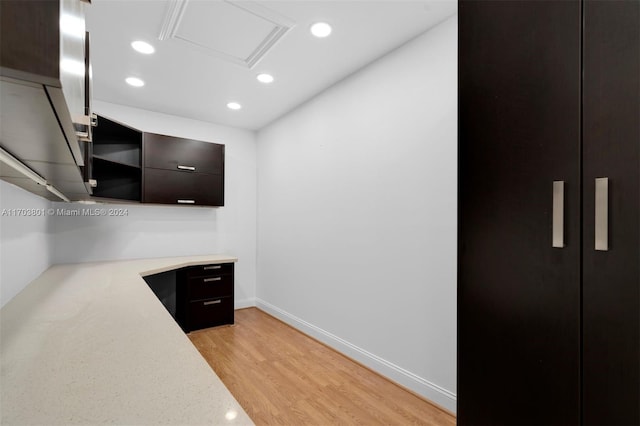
209	52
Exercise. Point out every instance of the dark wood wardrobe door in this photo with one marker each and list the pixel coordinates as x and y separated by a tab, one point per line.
611	145
519	130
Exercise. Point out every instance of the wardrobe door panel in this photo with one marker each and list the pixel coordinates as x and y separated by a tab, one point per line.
611	146
519	131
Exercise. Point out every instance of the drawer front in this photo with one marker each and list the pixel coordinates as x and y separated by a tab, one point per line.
210	270
171	153
175	187
210	313
210	287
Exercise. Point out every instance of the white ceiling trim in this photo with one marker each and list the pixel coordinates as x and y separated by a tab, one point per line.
173	15
281	25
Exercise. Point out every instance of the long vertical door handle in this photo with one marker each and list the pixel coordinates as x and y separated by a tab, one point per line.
602	214
557	228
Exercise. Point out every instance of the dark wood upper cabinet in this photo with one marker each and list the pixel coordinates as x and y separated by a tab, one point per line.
184	188
548	333
171	153
182	171
116	161
38	45
128	164
44	63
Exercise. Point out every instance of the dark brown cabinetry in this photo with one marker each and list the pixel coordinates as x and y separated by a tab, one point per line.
205	296
44	93
116	161
548	285
182	171
611	149
170	187
197	296
178	154
128	164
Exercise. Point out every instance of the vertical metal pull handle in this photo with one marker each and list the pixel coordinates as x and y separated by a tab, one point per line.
557	227
602	214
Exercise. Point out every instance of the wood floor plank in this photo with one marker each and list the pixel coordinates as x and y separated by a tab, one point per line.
280	376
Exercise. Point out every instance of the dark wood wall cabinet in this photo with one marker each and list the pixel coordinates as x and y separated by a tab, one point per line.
549	212
197	296
45	96
182	171
139	166
116	161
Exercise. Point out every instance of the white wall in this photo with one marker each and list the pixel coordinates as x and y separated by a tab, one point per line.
357	194
25	243
156	231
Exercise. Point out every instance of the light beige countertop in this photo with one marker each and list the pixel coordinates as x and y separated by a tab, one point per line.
91	344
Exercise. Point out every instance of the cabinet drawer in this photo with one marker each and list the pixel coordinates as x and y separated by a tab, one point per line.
210	287
175	187
210	313
171	153
209	270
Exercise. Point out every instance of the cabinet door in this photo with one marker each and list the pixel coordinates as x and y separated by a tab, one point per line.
611	145
175	187
171	153
519	131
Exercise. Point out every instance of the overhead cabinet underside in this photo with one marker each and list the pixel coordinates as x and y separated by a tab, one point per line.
45	106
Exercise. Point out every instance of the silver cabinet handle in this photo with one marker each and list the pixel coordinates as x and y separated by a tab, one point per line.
602	214
206	268
208	280
212	302
557	227
191	168
186	201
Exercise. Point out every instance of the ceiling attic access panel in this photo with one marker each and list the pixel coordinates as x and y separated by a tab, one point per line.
238	32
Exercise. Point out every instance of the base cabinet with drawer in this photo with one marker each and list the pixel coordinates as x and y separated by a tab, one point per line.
204	296
196	296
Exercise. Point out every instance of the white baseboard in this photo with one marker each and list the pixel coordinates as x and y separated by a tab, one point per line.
244	303
417	384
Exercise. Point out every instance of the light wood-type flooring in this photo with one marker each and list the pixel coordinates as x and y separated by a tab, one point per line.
280	376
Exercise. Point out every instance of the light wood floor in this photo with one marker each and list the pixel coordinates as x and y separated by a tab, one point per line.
283	377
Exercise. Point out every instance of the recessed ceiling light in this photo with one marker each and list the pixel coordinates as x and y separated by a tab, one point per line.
321	29
135	82
265	78
143	47
234	105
